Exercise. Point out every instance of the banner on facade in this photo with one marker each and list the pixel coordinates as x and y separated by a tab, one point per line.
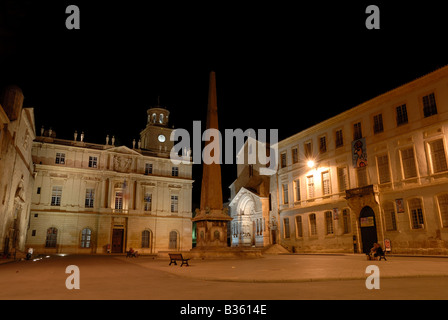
335	213
359	153
399	205
387	246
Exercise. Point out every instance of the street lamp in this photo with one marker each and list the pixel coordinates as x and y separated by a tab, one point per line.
311	164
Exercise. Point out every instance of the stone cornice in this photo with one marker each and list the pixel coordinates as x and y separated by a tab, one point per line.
373	103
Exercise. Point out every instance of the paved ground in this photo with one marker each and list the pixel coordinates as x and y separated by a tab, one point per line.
274	277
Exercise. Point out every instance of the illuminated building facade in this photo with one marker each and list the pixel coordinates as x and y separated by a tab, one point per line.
17	131
375	173
98	198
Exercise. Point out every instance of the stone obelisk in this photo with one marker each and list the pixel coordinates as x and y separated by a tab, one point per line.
211	220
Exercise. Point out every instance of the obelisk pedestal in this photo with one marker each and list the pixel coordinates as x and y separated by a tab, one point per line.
211	220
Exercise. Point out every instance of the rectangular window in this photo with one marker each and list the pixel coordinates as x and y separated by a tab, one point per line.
326	188
361	175
299	227
402	115
174	203
286	228
313	224
308	150
283	160
296	190
310	185
383	168
51	239
389	213
93	162
322	144
60	158
342	179
438	158
175	171
148	168
145	239
415	208
339	139
56	195
86	237
90	195
357	131
295	155
329	222
118	200
285	193
408	163
429	105
147	201
378	123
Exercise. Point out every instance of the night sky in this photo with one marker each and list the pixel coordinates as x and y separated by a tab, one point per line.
277	66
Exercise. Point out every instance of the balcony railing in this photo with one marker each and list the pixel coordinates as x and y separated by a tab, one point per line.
359	192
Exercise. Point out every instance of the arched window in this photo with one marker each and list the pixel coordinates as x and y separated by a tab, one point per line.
161	118
86	236
146	238
52	235
173	240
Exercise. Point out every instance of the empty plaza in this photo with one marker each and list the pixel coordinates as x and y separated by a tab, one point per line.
272	277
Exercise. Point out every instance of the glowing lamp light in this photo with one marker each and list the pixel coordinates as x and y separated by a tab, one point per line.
310	164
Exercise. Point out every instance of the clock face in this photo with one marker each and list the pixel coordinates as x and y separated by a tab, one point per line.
161	138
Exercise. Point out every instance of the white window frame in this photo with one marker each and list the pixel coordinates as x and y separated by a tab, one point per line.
93	162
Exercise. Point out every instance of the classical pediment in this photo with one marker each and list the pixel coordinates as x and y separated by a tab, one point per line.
123	150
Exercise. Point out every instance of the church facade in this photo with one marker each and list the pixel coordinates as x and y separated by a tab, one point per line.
99	198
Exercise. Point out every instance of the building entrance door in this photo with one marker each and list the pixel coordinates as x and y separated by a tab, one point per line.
368	228
117	240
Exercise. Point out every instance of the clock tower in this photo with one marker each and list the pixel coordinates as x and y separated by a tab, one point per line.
156	136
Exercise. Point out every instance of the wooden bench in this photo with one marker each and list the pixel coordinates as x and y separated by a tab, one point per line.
178	257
